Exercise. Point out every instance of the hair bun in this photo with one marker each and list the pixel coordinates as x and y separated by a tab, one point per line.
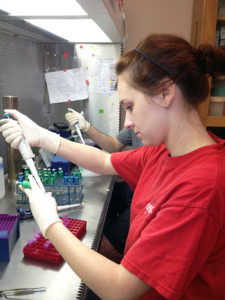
205	57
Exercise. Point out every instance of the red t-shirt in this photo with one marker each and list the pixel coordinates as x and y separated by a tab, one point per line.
176	242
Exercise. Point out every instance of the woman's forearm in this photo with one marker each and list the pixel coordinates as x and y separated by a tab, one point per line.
107	143
87	157
106	278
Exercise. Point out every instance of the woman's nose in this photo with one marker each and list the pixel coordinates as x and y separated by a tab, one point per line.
128	124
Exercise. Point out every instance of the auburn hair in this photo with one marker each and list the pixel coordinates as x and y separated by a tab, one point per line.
163	58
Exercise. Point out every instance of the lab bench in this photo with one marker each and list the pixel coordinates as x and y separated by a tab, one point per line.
59	280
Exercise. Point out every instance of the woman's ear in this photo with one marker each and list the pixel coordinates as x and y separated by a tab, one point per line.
165	98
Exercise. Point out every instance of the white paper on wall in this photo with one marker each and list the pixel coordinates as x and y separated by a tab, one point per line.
64	86
106	77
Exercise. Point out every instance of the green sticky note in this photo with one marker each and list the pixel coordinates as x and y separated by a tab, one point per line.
101	111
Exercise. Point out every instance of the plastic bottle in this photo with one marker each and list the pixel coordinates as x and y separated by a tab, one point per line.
2	179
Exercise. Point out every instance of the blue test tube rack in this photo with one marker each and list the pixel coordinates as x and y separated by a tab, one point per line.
9	233
66	189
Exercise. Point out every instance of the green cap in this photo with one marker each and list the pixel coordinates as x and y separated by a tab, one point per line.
25	184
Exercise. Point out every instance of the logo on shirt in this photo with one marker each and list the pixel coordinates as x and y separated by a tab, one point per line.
149	208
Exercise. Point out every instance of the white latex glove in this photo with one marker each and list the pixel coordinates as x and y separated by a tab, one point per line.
43	206
74	117
34	134
11	131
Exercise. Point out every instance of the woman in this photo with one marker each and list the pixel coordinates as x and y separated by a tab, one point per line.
176	243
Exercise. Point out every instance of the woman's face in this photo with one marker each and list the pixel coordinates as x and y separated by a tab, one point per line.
143	115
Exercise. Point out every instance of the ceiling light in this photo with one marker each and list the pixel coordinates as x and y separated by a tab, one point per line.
58	17
74	30
42	7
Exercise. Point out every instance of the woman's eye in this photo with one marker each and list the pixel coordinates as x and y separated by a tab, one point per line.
129	107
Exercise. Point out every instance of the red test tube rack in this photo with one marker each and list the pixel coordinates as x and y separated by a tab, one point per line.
42	249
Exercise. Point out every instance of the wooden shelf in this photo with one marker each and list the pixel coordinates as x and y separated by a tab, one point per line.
216	121
221	19
220	22
204	24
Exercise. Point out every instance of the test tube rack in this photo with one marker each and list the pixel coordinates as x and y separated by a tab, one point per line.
39	248
9	233
65	189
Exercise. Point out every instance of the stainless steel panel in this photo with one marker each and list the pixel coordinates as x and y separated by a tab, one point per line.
23	63
22	74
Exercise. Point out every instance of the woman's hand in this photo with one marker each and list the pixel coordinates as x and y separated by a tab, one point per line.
73	117
42	205
14	130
